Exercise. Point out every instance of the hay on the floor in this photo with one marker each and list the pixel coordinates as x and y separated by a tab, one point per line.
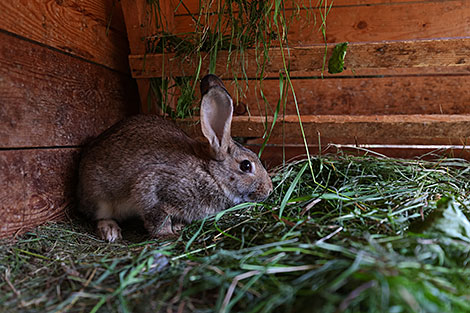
365	234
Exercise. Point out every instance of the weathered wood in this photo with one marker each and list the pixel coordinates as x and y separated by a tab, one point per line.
305	60
192	6
344	129
63	78
35	187
345	139
437	93
399	79
397	21
139	24
429	94
89	29
141	21
359	21
275	155
52	99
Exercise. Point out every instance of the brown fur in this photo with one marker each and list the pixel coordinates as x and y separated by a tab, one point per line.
146	166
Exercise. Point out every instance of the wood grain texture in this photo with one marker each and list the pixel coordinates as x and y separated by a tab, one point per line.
413	77
35	187
357	21
398	21
274	156
76	27
433	94
139	22
344	129
52	99
192	6
142	23
407	60
303	61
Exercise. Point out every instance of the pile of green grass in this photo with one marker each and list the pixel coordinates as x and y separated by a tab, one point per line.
363	234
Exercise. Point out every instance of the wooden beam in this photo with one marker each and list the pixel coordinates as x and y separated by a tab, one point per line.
426	94
357	21
344	129
273	156
192	6
307	59
141	23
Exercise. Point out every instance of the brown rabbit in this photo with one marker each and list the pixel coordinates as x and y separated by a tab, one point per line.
146	166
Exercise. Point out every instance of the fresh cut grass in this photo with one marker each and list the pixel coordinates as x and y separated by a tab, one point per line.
363	234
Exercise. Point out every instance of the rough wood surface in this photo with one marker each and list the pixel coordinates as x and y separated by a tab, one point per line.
345	129
35	187
428	94
305	60
52	99
54	102
275	155
361	21
192	6
93	30
139	24
141	21
413	77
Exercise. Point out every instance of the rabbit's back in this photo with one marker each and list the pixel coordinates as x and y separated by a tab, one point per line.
112	164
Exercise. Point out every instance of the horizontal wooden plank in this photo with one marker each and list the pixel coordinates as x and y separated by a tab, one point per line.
401	21
440	94
274	156
189	7
397	20
305	60
347	129
35	187
52	99
368	141
80	28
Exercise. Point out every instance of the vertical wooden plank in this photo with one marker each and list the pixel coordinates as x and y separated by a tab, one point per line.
144	20
136	17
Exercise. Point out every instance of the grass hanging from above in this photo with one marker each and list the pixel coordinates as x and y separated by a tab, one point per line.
237	27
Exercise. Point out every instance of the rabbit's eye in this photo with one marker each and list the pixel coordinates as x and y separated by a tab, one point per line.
245	166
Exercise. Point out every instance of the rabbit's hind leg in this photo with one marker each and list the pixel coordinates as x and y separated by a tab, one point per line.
159	223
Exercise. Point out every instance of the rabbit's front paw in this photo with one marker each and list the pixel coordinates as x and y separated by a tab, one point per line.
109	230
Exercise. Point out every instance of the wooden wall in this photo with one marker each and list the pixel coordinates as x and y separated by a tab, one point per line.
407	69
64	78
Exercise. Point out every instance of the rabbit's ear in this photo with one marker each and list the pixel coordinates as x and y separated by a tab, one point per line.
216	119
